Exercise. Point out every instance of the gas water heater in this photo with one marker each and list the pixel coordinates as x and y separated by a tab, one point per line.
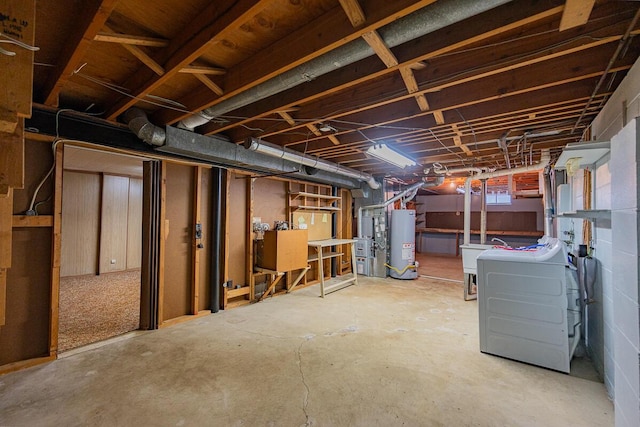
402	251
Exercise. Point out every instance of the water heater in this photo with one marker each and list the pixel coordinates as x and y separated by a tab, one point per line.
402	251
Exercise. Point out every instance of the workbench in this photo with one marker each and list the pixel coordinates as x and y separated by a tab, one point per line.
319	246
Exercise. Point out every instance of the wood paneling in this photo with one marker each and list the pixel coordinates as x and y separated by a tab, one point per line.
237	228
270	200
500	221
80	223
25	334
134	224
113	230
178	249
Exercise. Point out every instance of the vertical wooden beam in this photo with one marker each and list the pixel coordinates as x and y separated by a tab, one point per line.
249	240
227	230
164	231
56	249
3	295
195	273
6	224
12	157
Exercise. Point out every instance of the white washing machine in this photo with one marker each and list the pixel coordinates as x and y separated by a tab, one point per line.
528	305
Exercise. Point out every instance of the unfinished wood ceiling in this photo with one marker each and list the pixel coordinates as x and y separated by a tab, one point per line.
460	83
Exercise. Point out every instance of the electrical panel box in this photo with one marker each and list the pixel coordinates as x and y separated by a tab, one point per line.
284	250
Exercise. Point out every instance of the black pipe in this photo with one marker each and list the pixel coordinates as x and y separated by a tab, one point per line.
216	238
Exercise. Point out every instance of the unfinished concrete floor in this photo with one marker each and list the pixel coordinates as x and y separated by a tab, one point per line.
383	353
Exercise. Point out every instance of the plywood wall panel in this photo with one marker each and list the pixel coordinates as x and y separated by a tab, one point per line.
270	200
25	334
38	159
178	255
134	224
237	228
80	223
113	233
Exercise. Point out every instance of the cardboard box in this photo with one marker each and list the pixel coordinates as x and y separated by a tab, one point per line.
284	250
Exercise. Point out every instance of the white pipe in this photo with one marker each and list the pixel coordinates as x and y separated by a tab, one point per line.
545	159
445	171
273	150
467	212
483	213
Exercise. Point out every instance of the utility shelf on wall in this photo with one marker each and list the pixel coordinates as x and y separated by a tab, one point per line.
582	153
587	214
314	196
316	208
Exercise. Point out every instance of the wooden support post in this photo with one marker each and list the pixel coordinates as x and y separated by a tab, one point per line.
227	230
274	281
6	224
164	232
12	157
249	240
55	252
195	273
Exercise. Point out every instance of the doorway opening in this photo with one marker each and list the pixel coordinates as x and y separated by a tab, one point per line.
101	254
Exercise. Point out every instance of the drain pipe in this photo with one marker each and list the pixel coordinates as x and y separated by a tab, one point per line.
545	159
424	21
483	212
413	188
215	280
548	203
255	144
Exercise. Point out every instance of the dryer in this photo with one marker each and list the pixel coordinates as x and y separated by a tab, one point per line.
528	305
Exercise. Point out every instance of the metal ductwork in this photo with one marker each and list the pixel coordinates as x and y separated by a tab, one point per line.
424	21
545	159
409	193
255	144
139	124
269	158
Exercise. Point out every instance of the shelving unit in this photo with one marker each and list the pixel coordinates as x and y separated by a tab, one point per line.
314	206
592	214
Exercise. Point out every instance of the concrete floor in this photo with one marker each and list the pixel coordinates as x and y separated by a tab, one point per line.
383	353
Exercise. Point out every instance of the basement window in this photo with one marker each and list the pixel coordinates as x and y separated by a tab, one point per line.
498	198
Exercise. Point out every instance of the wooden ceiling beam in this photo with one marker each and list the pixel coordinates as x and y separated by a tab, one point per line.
325	106
380	48
354	12
576	13
190	44
201	69
209	83
326	33
499	21
111	37
89	22
486	100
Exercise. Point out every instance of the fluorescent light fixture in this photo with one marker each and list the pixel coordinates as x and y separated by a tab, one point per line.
386	154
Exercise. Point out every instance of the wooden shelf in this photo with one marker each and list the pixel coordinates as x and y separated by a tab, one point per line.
587	214
325	255
314	196
316	208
